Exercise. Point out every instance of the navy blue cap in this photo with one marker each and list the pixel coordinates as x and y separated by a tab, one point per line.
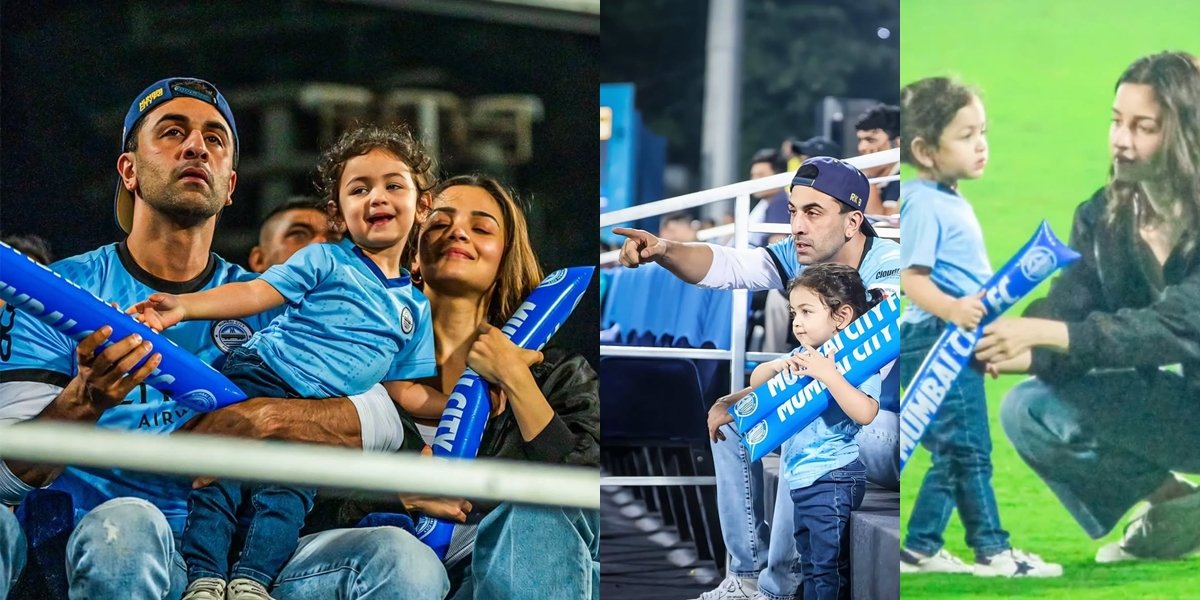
838	179
819	146
165	91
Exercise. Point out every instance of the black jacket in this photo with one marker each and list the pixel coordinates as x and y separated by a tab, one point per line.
1122	309
572	437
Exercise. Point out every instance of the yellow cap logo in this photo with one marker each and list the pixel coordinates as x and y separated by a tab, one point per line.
151	97
854	198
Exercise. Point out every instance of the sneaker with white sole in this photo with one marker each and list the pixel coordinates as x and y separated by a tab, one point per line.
1015	563
942	562
1169	530
246	589
733	589
205	588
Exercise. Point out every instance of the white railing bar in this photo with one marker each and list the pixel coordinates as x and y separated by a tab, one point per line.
300	464
726	192
737	317
696	353
648	481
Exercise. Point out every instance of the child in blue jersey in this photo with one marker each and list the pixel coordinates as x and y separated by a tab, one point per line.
352	319
825	478
945	266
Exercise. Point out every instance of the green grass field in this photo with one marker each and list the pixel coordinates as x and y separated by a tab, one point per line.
1046	70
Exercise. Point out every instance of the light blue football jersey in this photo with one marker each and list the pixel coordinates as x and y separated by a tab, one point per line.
346	326
943	235
825	444
38	353
879	267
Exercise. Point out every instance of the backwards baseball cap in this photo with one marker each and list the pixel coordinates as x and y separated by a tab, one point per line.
817	146
162	92
838	179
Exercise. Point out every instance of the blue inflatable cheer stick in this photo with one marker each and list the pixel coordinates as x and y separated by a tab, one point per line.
796	411
785	385
76	313
461	428
1040	258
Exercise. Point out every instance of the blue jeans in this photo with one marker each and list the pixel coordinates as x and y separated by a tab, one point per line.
1106	440
12	551
277	512
125	549
822	516
960	444
277	516
533	552
768	552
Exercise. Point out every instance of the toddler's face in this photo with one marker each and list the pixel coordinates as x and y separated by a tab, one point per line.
378	198
962	151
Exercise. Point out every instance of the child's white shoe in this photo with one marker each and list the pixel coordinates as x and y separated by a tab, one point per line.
942	562
1015	563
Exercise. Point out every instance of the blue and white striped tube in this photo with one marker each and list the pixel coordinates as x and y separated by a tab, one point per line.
461	428
76	313
767	397
1035	262
795	412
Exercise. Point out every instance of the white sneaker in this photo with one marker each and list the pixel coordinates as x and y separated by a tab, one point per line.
733	589
942	562
246	589
205	588
1015	563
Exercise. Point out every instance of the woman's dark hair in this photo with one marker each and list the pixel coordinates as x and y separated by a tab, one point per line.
1175	79
397	140
837	284
926	107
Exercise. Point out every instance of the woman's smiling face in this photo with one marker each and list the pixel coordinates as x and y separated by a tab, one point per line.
463	239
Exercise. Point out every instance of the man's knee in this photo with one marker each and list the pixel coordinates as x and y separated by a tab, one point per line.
119	529
391	550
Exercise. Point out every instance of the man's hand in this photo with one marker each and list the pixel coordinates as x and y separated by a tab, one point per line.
640	247
106	378
718	415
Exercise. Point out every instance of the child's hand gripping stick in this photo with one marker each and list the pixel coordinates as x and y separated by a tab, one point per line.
1040	258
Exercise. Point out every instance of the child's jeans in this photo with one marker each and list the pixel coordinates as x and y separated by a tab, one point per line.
960	445
822	522
276	512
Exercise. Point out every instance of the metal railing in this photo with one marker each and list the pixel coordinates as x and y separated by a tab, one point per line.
741	192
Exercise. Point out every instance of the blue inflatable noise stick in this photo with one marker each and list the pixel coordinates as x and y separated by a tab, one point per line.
804	401
786	386
461	428
1041	257
76	313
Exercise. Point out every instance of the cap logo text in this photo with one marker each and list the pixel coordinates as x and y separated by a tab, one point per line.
151	97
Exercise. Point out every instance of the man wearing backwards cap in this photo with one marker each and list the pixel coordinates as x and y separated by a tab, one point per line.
177	172
826	201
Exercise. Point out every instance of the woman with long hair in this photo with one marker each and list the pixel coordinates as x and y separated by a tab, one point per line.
1107	421
476	265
